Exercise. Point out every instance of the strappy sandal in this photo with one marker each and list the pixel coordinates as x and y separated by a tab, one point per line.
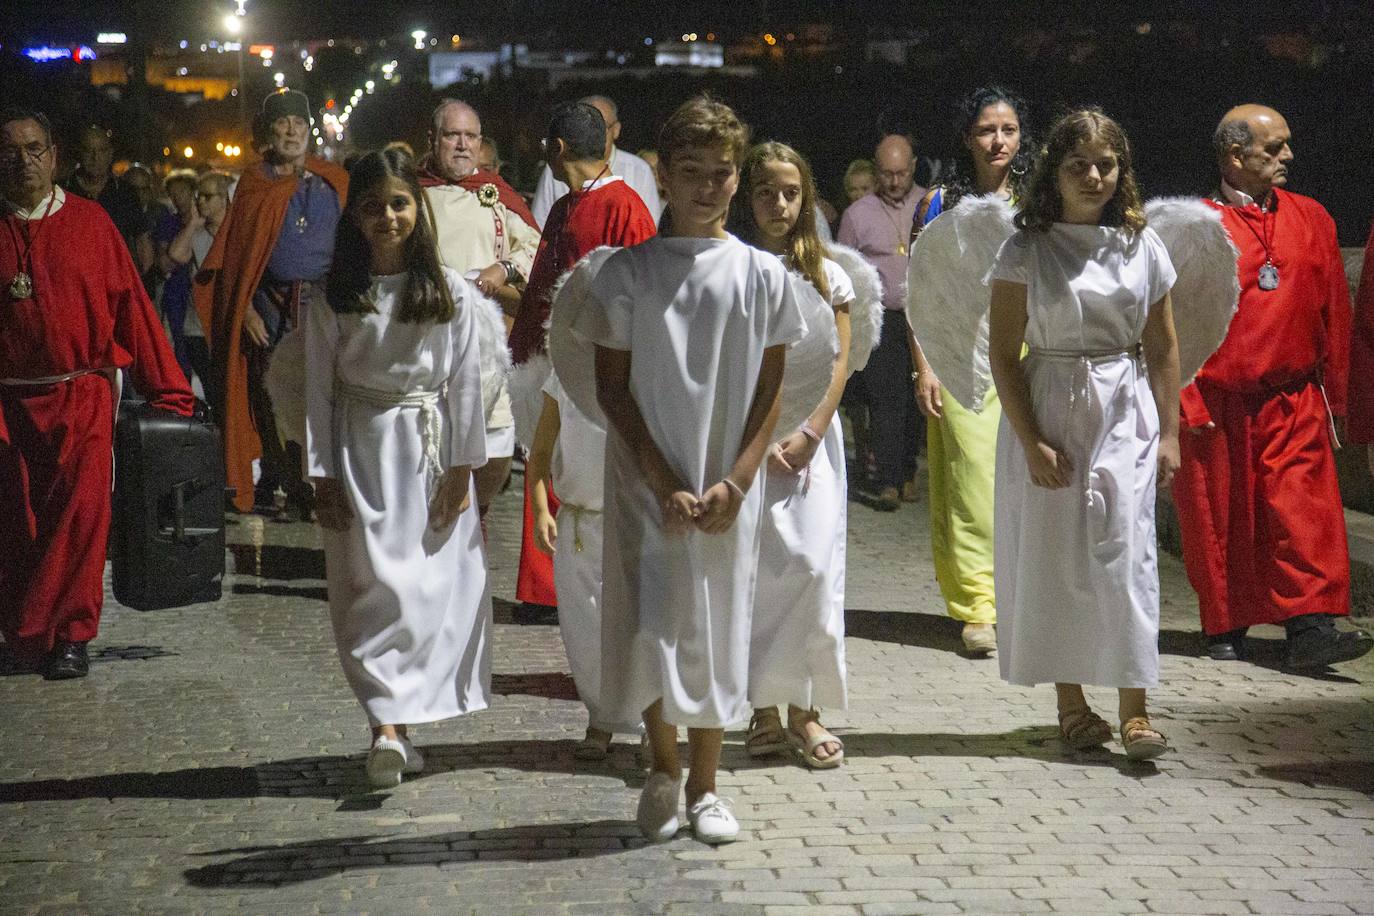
1082	729
1142	740
765	736
807	746
592	747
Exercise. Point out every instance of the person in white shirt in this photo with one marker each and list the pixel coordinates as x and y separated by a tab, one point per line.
636	172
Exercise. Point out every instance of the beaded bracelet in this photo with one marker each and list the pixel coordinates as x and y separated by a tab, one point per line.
806	430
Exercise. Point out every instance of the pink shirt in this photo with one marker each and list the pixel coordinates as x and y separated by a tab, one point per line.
879	231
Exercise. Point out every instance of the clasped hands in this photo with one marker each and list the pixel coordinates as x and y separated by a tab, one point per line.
712	512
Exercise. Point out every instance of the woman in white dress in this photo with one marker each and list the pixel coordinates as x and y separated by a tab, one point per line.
394	427
797	651
1089	430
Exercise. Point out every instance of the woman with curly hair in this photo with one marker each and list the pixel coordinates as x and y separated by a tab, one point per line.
1089	428
994	159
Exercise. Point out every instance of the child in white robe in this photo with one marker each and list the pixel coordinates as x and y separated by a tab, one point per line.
689	330
1088	432
394	426
569	452
797	655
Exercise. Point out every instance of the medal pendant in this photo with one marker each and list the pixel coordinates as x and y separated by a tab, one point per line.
301	224
21	287
901	249
1268	276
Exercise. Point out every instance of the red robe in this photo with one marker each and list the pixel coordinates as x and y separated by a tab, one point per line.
1360	423
89	311
1257	497
223	293
612	214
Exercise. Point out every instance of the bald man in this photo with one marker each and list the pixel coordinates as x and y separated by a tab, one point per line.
634	171
1258	502
878	225
94	180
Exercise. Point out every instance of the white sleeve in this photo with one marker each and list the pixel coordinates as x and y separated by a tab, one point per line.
646	187
524	243
1161	267
785	322
321	329
545	194
1010	264
841	287
467	428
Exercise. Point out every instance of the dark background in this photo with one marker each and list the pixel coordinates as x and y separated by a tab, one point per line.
1168	84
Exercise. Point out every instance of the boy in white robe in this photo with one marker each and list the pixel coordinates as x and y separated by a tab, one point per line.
689	330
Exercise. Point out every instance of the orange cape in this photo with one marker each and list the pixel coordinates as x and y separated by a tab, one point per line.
223	292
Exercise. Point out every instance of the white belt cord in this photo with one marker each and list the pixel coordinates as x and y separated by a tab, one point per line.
430	428
51	379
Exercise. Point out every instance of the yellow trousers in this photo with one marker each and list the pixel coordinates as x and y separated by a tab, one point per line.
962	454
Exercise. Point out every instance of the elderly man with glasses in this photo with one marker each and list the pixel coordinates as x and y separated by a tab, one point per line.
75	314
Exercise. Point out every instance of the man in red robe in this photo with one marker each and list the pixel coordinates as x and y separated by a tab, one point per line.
601	210
1360	423
1257	497
75	312
271	255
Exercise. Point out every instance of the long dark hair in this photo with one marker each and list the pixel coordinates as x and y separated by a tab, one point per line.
965	178
426	296
1042	205
804	251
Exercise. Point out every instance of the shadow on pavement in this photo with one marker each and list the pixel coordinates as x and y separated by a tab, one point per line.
337	778
277	561
292	863
1356	775
551	685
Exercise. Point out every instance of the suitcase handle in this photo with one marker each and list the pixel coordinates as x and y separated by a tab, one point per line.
179	531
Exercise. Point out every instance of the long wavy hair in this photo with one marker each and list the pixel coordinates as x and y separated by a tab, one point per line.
965	177
803	249
426	296
1042	205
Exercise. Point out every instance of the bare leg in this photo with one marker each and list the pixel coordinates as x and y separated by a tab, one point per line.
662	742
1132	703
1070	697
703	747
803	723
394	732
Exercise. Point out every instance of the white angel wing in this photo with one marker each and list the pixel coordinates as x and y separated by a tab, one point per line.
866	314
495	354
575	360
527	395
1207	289
806	373
947	301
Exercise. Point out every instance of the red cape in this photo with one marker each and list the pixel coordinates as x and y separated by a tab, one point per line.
509	196
223	292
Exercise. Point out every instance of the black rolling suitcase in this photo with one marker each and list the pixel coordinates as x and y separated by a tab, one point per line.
167	529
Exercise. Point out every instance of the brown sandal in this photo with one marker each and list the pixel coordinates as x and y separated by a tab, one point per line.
1082	729
1142	740
765	736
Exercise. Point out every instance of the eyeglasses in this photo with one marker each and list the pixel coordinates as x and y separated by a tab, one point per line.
34	152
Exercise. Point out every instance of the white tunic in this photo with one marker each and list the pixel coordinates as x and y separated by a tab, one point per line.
797	650
410	606
696	316
1076	581
578	473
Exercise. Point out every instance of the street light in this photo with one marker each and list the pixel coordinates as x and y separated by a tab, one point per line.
419	35
233	24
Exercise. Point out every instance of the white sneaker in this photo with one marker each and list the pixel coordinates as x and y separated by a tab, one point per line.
657	812
415	761
713	819
385	762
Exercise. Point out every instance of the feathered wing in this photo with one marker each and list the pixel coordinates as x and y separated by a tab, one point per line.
1207	289
495	354
527	395
947	299
806	373
574	360
866	314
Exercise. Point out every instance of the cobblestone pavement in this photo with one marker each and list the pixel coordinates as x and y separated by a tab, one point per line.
213	762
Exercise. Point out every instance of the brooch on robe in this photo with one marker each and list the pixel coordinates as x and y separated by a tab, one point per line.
487	195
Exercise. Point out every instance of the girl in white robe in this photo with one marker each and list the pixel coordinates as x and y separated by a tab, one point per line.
394	426
689	330
1089	430
797	651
